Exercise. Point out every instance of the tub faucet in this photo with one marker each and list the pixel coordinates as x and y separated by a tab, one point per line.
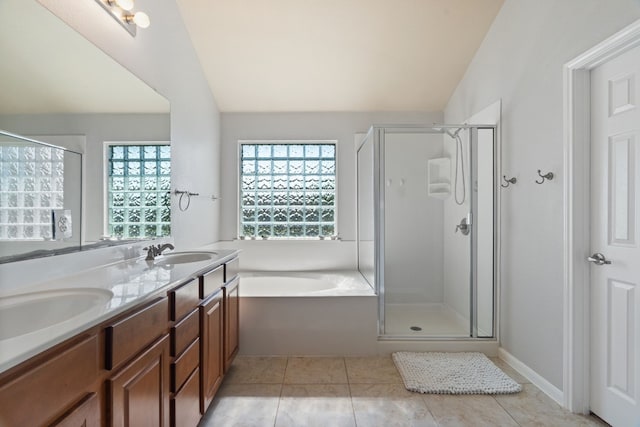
154	251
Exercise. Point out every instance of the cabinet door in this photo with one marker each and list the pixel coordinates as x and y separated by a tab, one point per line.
50	387
211	356
232	322
139	392
86	414
185	405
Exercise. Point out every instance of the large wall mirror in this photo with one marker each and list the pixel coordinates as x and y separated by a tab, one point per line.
66	104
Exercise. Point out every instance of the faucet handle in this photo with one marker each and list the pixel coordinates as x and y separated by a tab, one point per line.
152	251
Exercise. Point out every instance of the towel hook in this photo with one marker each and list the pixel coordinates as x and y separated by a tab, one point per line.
547	176
509	181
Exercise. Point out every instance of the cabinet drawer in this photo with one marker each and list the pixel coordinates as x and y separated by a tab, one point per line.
184	332
184	365
231	269
185	405
44	391
128	336
183	299
211	282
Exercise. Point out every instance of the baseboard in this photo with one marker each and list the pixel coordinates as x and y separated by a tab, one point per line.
535	378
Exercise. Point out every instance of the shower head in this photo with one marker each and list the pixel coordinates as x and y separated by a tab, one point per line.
453	134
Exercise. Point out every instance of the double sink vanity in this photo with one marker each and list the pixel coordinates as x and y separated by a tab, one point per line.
133	343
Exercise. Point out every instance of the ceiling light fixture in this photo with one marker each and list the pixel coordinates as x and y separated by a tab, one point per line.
122	11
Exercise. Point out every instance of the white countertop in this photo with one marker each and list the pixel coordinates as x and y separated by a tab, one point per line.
125	284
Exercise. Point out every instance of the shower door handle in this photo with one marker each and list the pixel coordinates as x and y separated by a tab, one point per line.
464	227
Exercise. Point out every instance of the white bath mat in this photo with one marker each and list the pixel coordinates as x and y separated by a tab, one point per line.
452	373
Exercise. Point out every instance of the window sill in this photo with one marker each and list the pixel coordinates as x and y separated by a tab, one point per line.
285	239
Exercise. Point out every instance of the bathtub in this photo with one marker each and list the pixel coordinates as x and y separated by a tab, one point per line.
307	313
303	284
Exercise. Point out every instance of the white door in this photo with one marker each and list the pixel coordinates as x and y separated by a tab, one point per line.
615	227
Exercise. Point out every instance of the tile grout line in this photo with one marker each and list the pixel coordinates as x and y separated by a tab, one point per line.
424	402
284	374
353	408
422	395
507	411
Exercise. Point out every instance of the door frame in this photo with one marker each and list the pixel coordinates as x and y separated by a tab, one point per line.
577	145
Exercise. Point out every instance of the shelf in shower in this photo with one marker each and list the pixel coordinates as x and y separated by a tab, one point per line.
439	177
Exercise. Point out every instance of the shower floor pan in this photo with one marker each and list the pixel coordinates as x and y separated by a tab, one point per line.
424	320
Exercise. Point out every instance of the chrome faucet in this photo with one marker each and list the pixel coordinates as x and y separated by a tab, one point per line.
154	251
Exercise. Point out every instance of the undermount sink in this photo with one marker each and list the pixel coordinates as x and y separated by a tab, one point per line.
184	257
24	313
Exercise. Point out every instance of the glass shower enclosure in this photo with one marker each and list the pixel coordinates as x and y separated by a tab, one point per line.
427	234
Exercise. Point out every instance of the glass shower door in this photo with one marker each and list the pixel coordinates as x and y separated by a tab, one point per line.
426	246
427	229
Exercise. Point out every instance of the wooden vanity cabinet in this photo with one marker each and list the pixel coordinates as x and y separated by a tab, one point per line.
137	351
211	282
185	405
158	364
231	321
211	335
231	290
129	335
231	269
185	349
139	392
56	387
184	299
85	413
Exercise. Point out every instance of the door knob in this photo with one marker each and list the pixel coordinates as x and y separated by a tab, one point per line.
598	259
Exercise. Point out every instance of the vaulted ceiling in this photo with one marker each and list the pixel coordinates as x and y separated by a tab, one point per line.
336	55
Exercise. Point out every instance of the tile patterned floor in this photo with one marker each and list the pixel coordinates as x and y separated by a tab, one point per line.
365	392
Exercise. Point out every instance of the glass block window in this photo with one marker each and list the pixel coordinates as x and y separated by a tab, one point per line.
288	190
139	191
31	185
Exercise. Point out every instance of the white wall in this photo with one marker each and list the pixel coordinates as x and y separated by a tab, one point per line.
163	57
521	62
